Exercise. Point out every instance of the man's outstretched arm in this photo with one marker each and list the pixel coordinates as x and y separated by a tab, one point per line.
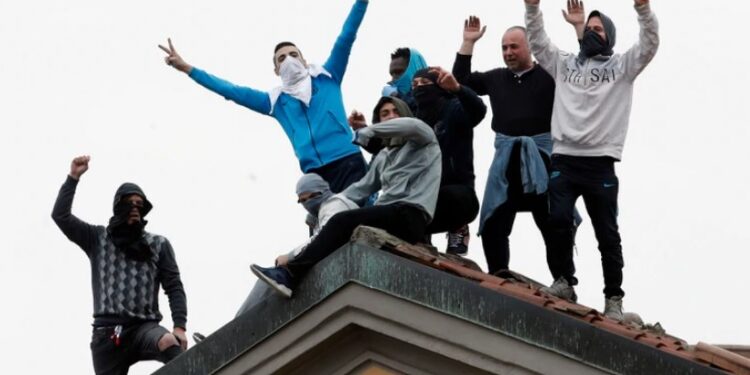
473	31
339	58
576	17
78	231
245	96
545	52
640	55
408	128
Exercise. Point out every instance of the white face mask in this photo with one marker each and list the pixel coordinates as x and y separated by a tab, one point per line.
292	71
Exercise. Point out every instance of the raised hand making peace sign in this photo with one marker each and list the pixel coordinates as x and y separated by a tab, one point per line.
174	59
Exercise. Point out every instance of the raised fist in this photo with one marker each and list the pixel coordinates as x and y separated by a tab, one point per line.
79	166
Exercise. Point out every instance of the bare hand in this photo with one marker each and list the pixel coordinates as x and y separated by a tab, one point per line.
173	58
282	260
575	14
79	166
179	333
445	79
641	2
473	30
357	120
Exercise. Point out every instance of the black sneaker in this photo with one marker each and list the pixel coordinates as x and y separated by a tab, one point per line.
277	278
458	241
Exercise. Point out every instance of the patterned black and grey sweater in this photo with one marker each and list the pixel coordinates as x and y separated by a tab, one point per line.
126	291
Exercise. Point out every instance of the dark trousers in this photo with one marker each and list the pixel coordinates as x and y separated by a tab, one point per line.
139	342
343	172
457	205
594	179
404	221
498	227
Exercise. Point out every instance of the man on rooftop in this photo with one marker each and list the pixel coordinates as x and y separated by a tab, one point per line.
308	105
593	97
407	174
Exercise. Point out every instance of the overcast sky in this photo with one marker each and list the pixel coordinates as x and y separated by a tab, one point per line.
86	77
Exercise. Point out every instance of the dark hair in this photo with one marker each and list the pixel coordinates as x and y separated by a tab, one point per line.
401	52
282	45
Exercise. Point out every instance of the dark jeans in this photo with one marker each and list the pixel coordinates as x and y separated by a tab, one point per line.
404	221
139	342
594	179
457	205
498	227
343	172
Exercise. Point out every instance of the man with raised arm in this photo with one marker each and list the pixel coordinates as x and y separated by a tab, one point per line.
128	265
521	95
308	104
590	119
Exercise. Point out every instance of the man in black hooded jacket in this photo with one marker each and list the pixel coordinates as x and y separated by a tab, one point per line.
127	266
452	110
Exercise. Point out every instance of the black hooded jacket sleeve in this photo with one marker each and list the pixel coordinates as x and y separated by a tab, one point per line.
473	107
81	233
169	277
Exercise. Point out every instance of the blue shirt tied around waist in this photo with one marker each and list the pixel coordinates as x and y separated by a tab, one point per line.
534	176
319	134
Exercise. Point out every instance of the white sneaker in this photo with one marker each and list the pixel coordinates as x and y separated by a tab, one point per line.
561	289
613	308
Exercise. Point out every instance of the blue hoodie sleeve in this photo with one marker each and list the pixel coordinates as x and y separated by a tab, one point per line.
257	100
339	58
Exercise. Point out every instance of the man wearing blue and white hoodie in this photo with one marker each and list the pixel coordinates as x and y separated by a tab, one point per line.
593	98
308	105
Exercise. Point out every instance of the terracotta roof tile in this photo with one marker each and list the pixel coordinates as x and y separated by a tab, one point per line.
704	353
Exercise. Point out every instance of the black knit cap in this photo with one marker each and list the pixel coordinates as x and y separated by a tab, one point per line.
425	73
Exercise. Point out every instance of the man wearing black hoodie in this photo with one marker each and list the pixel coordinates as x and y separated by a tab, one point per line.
127	266
452	110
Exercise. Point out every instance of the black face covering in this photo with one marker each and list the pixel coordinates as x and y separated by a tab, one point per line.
430	98
593	44
129	238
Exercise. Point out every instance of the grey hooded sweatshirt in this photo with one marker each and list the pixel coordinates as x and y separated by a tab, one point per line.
407	171
593	96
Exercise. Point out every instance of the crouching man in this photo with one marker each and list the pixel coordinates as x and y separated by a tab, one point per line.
127	266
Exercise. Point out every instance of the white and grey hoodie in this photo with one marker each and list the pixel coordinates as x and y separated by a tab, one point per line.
593	98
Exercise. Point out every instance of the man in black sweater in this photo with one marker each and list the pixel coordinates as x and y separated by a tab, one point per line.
521	96
127	266
452	110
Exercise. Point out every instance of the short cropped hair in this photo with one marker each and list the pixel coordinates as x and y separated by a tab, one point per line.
523	29
282	45
401	52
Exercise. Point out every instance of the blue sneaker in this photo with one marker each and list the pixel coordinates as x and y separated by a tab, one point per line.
277	278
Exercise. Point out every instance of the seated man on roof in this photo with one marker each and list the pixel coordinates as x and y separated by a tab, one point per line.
407	174
314	194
